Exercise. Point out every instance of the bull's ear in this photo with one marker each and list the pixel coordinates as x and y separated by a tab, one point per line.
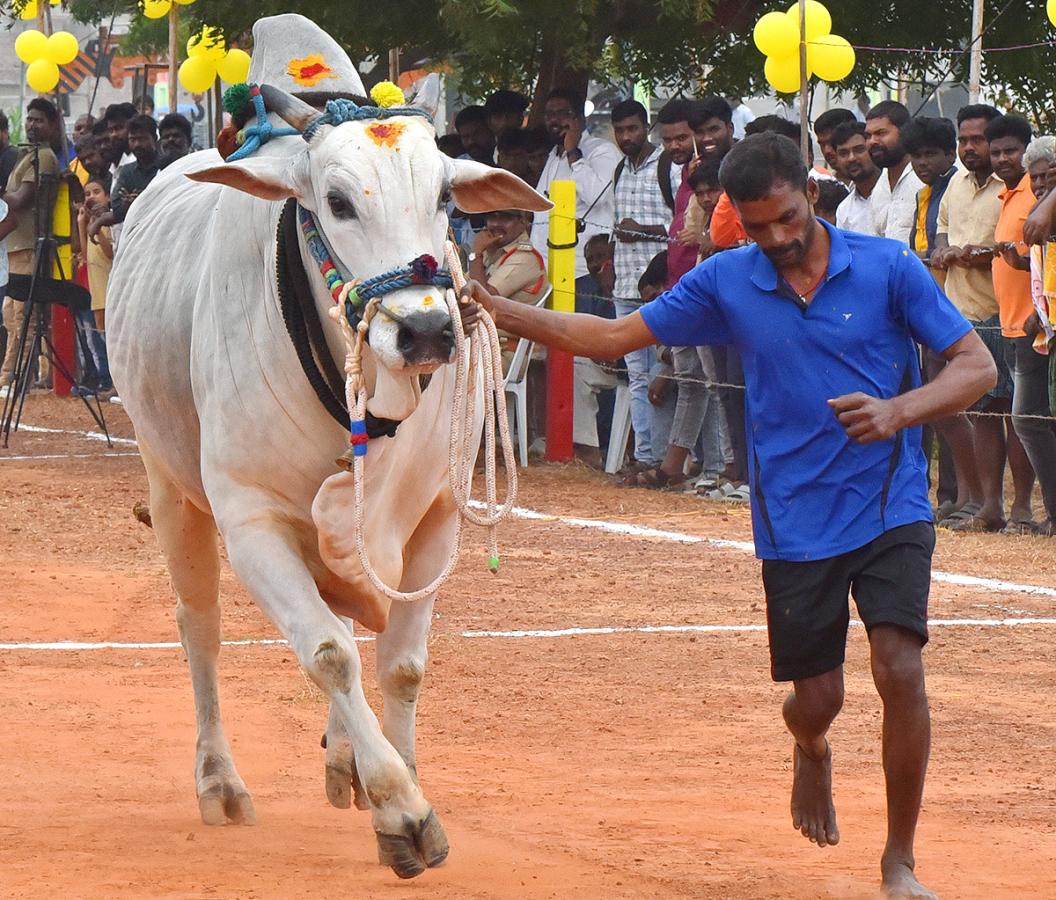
267	177
479	188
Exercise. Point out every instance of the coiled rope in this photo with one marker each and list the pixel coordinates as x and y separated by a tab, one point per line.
482	352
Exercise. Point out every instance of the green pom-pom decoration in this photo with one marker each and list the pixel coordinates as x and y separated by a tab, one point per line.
236	99
493	563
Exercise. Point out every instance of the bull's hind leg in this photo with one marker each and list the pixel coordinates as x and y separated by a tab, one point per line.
188	540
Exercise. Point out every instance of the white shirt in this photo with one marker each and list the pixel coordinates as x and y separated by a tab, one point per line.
742	115
593	177
895	209
855	212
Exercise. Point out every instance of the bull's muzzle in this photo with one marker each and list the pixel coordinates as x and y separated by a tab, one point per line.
426	336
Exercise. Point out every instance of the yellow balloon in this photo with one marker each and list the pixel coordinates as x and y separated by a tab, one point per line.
783	73
29	11
156	9
1050	8
775	35
29	46
197	74
830	57
234	68
42	76
819	21
209	42
62	48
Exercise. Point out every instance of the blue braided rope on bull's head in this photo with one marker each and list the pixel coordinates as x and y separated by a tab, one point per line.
337	112
421	271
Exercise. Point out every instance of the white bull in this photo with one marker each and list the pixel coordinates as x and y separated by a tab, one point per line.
233	437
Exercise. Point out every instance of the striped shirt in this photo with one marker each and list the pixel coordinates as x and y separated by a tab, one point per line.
638	197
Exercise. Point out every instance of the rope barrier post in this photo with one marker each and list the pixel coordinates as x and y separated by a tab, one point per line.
559	365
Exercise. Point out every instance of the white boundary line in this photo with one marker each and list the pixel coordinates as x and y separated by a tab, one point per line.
68	455
77	646
988	584
91	435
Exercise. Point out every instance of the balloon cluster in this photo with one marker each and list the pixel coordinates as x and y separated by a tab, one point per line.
829	56
207	57
159	9
43	55
30	10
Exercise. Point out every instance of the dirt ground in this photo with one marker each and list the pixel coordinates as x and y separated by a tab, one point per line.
599	765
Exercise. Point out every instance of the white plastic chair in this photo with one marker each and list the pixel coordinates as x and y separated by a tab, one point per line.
620	431
516	388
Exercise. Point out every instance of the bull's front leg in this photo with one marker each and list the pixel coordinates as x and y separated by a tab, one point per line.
265	555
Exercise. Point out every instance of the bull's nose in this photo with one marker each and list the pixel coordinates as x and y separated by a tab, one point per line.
426	337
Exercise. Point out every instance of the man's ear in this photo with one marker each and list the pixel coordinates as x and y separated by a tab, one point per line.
812	191
267	177
479	188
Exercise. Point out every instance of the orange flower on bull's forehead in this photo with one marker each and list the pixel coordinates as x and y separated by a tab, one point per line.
386	134
310	70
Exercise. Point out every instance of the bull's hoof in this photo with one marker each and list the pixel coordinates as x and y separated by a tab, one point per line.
225	802
408	855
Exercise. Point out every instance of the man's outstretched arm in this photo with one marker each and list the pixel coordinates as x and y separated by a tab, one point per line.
577	333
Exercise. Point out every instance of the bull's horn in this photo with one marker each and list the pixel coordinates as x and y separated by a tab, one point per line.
427	97
294	111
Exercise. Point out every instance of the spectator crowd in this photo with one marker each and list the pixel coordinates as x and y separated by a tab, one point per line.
964	196
649	204
104	164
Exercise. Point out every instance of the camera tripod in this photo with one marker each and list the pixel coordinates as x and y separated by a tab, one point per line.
37	292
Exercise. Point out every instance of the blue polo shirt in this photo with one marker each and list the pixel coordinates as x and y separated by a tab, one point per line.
816	493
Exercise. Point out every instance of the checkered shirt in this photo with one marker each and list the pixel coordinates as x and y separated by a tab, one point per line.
638	197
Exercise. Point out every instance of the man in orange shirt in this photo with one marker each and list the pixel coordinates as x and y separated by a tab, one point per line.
1008	137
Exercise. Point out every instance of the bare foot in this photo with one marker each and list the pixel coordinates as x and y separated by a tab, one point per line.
899	881
812	809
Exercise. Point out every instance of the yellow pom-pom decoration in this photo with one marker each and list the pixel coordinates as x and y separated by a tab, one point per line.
386	94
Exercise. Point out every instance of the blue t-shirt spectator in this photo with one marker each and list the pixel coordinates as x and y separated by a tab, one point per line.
816	493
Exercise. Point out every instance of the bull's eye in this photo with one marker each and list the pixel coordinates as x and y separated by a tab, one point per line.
445	198
340	206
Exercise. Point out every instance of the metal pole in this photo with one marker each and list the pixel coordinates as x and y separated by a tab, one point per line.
975	72
394	65
174	55
804	85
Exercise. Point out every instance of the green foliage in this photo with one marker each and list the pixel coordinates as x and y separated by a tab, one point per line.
682	44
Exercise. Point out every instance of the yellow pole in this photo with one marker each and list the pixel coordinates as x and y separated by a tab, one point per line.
562	271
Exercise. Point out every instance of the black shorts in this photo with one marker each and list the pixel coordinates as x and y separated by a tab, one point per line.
806	602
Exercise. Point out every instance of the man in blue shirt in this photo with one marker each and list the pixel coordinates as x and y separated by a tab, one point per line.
825	322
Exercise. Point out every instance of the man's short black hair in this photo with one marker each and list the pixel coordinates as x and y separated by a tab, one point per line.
829	119
511	139
843	132
1010	126
895	112
706	174
450	145
681	110
120	112
575	99
84	143
4	126
830	195
469	115
175	120
752	168
926	132
712	107
600	238
505	101
655	274
777	125
627	109
99	128
43	105
143	124
537	138
977	111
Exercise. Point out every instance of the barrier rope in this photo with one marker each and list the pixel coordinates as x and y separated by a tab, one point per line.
480	353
